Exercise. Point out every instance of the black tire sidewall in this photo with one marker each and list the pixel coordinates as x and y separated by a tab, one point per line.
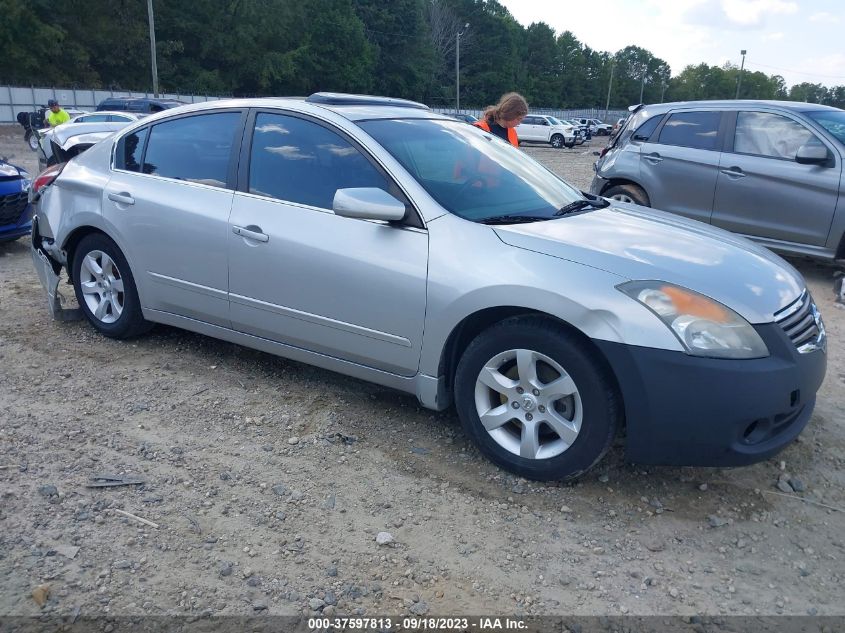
600	412
131	321
632	191
556	138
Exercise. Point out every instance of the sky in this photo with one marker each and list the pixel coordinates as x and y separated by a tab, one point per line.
801	40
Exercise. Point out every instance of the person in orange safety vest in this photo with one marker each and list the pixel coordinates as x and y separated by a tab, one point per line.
501	119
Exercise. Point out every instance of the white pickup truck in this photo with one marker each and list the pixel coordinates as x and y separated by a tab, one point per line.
541	128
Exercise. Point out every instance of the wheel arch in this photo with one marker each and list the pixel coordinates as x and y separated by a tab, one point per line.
473	324
72	242
614	182
840	250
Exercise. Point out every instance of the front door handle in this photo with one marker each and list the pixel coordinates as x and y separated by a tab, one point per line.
251	232
122	198
653	158
733	172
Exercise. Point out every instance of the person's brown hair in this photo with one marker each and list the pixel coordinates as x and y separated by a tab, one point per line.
510	106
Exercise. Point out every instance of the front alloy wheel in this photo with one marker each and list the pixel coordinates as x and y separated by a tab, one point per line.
532	396
528	404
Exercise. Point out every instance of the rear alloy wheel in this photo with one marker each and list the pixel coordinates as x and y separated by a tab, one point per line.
533	399
628	193
105	288
556	141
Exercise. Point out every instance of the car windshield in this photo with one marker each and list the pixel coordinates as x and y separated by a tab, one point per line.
471	173
554	121
831	120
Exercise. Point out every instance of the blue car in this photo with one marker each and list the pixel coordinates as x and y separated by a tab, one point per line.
15	210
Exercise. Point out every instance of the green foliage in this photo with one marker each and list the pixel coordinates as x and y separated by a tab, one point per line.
401	48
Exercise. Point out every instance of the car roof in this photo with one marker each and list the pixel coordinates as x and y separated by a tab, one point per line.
107	112
355	108
140	99
795	106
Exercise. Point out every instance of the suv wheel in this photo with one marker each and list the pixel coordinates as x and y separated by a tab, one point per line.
627	193
533	399
556	141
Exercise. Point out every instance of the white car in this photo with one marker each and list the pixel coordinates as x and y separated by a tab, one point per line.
106	117
541	128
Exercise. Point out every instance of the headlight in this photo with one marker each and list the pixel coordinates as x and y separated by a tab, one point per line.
705	327
7	170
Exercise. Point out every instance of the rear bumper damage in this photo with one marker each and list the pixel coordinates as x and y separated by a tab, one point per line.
48	270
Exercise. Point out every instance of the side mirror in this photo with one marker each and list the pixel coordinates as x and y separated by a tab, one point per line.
367	203
811	154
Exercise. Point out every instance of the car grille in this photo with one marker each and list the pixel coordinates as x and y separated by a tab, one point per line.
802	323
11	207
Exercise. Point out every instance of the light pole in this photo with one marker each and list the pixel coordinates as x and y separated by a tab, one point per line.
739	79
153	46
458	67
609	84
642	85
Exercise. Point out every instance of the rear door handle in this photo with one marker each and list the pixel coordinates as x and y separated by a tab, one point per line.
653	158
733	172
122	198
251	233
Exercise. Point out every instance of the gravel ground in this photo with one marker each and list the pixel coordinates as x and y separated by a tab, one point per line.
270	483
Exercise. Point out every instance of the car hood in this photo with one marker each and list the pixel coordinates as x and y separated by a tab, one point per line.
640	243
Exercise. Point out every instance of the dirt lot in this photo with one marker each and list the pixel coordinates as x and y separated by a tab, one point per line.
270	480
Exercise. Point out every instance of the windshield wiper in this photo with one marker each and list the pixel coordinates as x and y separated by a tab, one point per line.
515	219
580	205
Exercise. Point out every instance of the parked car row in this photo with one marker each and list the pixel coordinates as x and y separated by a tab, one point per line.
565	317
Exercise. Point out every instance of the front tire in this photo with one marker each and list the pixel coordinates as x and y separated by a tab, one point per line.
534	400
105	288
556	141
628	193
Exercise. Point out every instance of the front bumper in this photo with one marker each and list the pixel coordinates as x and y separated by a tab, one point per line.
598	183
688	411
48	272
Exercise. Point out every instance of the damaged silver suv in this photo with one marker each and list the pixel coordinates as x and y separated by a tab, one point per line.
768	170
376	238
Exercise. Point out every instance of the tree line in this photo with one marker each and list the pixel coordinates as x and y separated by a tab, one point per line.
401	48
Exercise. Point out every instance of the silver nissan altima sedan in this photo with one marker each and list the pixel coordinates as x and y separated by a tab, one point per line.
376	238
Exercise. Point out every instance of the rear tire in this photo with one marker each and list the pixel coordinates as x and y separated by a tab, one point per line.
628	193
550	410
105	288
31	139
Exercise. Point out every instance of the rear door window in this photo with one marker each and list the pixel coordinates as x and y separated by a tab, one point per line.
699	130
196	148
94	118
644	132
770	135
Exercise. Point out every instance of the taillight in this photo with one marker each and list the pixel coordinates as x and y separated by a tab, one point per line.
46	177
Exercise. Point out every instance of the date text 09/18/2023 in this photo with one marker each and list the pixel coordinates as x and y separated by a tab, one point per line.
417	624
